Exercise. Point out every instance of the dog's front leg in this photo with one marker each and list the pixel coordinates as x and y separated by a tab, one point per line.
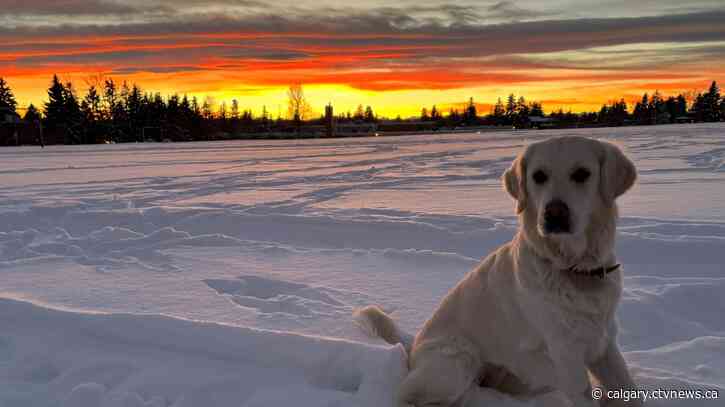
611	371
572	375
437	379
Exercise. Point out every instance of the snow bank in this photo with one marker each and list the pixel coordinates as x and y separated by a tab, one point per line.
91	360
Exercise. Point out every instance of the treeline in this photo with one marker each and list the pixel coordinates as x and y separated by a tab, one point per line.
113	112
124	113
515	112
655	109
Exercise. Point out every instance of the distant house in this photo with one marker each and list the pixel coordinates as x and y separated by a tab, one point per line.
406	127
355	129
685	119
540	122
10	127
9	117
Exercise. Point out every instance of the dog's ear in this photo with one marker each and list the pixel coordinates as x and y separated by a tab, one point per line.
514	180
617	173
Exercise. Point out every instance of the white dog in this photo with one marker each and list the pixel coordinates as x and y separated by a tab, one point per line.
537	315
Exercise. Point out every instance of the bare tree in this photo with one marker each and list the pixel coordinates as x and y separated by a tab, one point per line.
223	111
235	109
96	80
207	109
298	108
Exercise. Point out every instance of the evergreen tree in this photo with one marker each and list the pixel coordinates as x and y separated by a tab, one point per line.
658	109
369	114
265	116
671	108
604	114
133	102
454	118
711	104
195	109
115	112
359	113
471	115
91	115
184	106
206	109
642	110
110	97
91	105
621	112
223	111
63	112
681	106
535	109
155	112
434	114
235	110
75	131
499	112
511	107
7	99
173	110
521	117
698	107
32	114
55	107
424	115
247	117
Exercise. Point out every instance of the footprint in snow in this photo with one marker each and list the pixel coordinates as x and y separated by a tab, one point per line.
270	296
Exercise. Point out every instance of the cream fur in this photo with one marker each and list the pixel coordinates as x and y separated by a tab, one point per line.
520	322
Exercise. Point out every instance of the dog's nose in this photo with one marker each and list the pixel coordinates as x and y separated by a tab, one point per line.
556	217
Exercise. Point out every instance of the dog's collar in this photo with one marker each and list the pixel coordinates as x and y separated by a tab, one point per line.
600	272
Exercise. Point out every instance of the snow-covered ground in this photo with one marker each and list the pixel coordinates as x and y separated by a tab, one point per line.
225	274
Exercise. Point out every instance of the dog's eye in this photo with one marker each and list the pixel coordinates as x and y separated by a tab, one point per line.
581	175
540	177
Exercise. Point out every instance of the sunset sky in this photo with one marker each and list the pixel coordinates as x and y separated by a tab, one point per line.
573	54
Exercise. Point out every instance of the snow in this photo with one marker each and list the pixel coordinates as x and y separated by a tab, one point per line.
226	274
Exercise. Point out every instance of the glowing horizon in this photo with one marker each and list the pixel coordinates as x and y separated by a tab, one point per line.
398	60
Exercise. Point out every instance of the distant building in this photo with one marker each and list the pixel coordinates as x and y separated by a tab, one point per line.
540	122
685	119
9	117
10	127
406	126
354	129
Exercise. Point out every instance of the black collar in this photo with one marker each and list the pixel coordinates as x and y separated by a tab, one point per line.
600	272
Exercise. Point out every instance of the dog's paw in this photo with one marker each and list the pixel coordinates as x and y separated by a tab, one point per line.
555	398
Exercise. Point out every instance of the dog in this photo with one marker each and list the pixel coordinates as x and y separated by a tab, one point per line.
537	316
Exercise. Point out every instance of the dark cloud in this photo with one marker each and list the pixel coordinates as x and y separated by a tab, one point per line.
377	27
189	53
270	55
127	70
507	10
66	7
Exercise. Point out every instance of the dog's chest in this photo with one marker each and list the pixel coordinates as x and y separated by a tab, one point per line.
569	309
537	361
556	324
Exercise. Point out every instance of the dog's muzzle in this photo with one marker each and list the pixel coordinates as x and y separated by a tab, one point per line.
557	218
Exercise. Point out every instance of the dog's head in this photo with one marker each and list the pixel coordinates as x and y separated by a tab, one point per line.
563	184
